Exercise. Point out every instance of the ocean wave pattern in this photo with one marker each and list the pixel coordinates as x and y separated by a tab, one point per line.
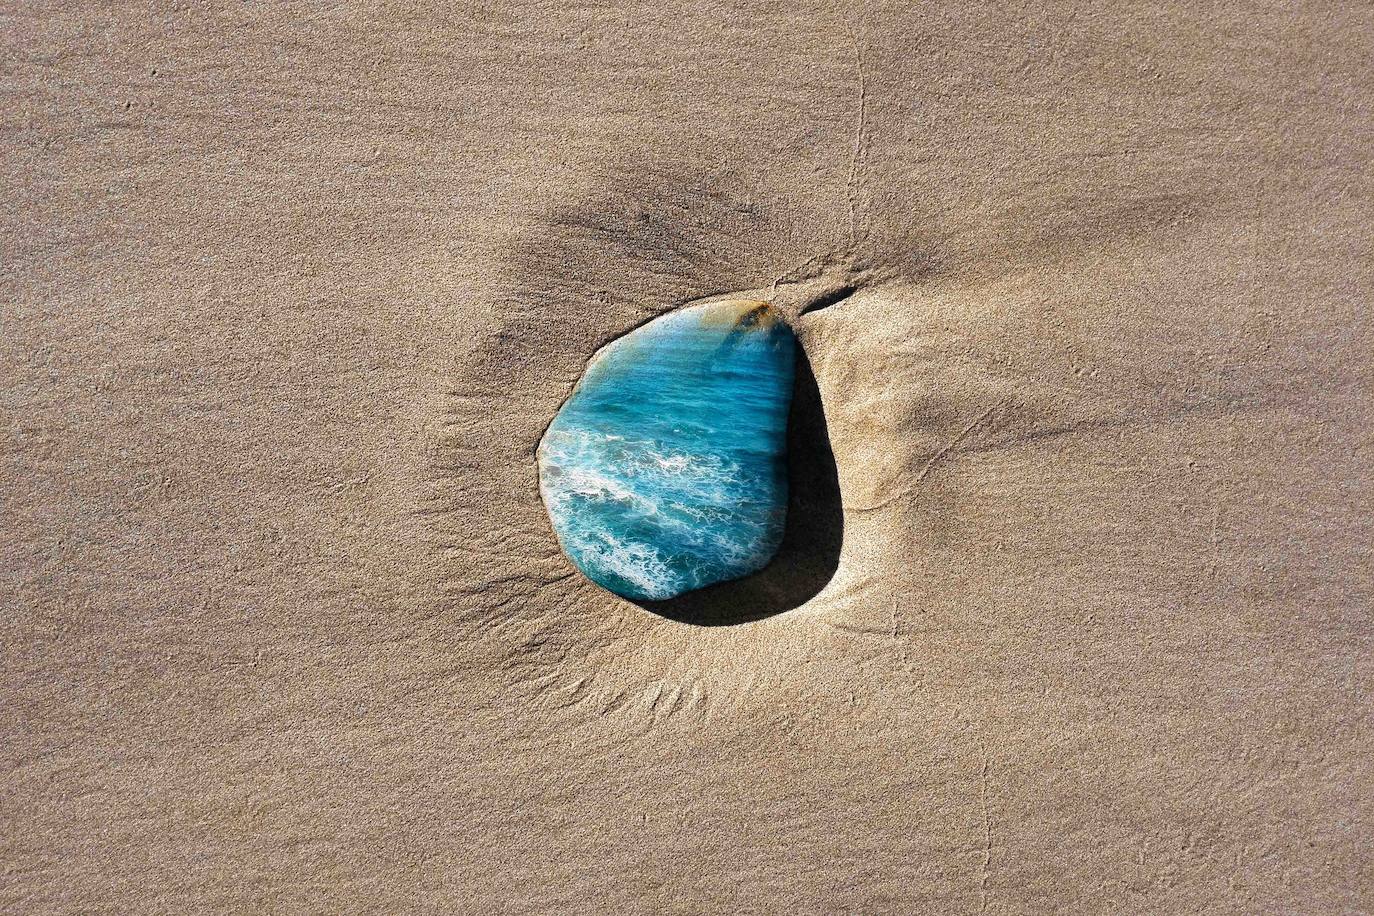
665	471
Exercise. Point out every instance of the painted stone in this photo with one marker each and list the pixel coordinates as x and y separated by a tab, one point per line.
666	469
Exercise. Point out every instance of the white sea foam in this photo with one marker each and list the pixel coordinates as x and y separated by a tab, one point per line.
691	498
604	488
636	563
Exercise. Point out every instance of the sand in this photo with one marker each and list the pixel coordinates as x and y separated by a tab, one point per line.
290	293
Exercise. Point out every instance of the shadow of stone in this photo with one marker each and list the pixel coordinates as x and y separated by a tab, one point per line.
810	551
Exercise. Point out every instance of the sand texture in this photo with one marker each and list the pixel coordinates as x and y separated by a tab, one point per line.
290	292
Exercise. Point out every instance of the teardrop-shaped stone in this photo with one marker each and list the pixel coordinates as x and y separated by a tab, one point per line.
666	469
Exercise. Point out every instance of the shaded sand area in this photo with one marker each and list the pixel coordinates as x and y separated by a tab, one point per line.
291	295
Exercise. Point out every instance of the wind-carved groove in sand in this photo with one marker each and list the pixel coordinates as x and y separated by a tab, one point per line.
828	298
651	703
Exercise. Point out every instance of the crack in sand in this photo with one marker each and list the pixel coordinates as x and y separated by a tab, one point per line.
987	840
857	157
932	461
897	634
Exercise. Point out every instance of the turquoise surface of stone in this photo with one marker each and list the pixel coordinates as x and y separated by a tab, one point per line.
666	469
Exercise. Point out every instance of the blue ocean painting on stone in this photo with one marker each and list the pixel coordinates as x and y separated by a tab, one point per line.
666	469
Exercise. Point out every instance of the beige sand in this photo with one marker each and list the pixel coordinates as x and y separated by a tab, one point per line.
290	294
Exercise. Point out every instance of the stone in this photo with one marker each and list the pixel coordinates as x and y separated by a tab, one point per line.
666	469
